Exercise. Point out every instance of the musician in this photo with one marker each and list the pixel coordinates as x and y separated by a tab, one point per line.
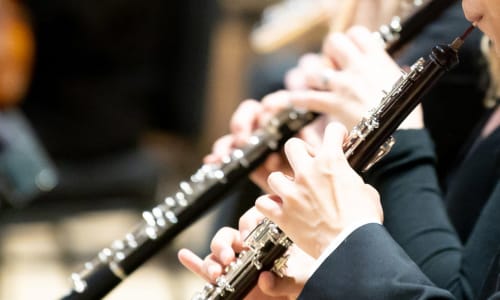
334	216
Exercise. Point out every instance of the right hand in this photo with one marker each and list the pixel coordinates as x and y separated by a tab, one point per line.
228	241
323	198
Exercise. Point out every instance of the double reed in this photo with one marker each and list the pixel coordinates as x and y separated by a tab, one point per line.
267	244
209	183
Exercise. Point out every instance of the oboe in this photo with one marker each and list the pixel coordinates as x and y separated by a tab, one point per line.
209	183
368	141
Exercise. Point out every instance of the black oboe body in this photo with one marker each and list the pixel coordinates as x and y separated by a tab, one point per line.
196	195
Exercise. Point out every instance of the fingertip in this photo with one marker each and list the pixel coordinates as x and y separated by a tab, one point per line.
308	59
337	128
227	255
276	101
245	116
330	43
294	80
358	30
273	175
269	207
184	255
267	282
214	271
364	39
293	143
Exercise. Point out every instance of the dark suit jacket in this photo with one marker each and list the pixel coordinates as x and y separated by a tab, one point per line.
369	264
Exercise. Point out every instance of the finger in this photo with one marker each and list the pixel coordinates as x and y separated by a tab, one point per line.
274	103
192	262
298	153
295	80
313	61
270	207
321	102
341	50
364	39
281	185
221	148
245	119
225	244
211	268
332	150
274	286
249	220
318	71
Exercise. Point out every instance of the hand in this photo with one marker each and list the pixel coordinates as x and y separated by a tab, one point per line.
347	79
249	116
324	196
227	242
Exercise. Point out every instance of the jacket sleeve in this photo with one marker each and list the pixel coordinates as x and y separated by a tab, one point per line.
414	211
369	264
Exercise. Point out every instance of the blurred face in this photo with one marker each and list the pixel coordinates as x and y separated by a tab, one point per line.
486	15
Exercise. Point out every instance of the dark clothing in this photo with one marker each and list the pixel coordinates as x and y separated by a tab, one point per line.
370	265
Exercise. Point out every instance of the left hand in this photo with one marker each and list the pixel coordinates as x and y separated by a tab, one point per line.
227	242
347	80
324	197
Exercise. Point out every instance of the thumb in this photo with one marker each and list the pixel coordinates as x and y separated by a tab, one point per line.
275	286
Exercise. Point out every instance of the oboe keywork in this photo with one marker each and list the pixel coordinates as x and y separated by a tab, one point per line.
267	244
196	195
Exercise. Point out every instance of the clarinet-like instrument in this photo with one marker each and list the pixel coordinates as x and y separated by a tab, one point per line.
369	141
196	195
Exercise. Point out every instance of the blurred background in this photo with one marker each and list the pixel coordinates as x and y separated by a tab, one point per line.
105	106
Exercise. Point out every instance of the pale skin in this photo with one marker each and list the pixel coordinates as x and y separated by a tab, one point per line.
319	186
